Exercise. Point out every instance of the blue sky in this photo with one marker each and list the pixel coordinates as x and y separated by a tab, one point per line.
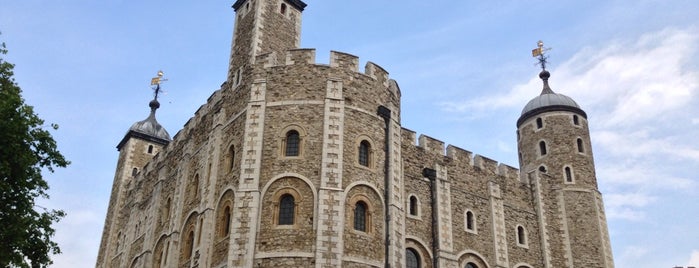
465	72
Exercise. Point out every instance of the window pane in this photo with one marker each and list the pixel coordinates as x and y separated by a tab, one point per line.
413	206
412	260
360	217
471	265
292	143
364	153
286	210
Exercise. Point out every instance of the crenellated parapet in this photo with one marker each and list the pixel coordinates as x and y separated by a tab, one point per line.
458	156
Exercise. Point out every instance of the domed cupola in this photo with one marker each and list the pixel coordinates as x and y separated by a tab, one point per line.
549	101
150	125
149	129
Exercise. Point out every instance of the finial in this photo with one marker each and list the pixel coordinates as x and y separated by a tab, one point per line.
539	53
155	84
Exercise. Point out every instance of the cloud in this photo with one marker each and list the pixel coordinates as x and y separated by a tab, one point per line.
694	258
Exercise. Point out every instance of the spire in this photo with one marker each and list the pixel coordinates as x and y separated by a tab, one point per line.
539	53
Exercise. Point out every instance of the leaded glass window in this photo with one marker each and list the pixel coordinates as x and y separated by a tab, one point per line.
360	216
292	143
286	210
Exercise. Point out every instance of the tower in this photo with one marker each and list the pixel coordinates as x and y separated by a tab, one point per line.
142	141
263	26
556	156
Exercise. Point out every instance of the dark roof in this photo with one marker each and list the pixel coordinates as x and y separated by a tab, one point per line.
300	5
148	129
549	101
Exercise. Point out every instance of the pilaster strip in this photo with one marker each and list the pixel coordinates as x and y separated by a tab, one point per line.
247	197
604	233
396	208
499	227
329	237
446	242
541	215
565	235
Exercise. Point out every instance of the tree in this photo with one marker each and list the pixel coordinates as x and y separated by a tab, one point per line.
26	148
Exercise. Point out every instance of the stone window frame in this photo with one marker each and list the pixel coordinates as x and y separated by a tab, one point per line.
568	178
521	236
368	217
371	158
281	136
150	149
225	220
418	258
474	222
193	189
543	168
188	242
580	145
542	150
230	158
418	208
276	207
575	119
539	124
471	265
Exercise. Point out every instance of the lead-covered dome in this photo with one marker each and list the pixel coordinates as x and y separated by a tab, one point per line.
148	129
549	101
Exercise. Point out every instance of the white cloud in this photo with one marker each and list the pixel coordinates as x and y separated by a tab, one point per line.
694	258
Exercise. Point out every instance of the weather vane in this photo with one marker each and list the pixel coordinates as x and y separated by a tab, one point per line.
155	83
539	54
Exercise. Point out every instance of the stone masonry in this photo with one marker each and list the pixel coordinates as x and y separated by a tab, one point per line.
293	163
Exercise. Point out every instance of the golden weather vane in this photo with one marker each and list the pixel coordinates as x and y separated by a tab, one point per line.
539	53
156	81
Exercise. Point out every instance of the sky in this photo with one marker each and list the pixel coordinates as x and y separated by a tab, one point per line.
464	68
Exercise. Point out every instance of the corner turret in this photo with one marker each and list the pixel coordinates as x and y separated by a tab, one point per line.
556	159
142	141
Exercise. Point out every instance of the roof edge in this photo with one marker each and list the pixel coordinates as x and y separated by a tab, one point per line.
142	136
552	108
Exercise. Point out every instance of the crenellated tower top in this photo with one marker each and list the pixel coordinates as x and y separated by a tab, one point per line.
263	26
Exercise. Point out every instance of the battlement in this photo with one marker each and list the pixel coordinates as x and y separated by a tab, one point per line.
436	147
338	60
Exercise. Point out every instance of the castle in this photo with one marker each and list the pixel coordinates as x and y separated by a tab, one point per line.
292	163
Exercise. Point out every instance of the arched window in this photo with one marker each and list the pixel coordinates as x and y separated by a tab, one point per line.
283	9
195	186
576	121
539	123
521	235
471	265
569	174
360	216
470	223
292	143
189	245
412	259
231	157
413	206
286	210
226	221
166	211
542	148
134	171
150	149
364	150
580	146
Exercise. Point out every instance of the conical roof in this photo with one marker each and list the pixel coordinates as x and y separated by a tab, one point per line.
549	101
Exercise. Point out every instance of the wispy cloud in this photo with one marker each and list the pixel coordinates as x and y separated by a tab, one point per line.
636	92
694	258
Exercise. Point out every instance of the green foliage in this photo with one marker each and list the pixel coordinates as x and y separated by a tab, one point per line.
25	149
